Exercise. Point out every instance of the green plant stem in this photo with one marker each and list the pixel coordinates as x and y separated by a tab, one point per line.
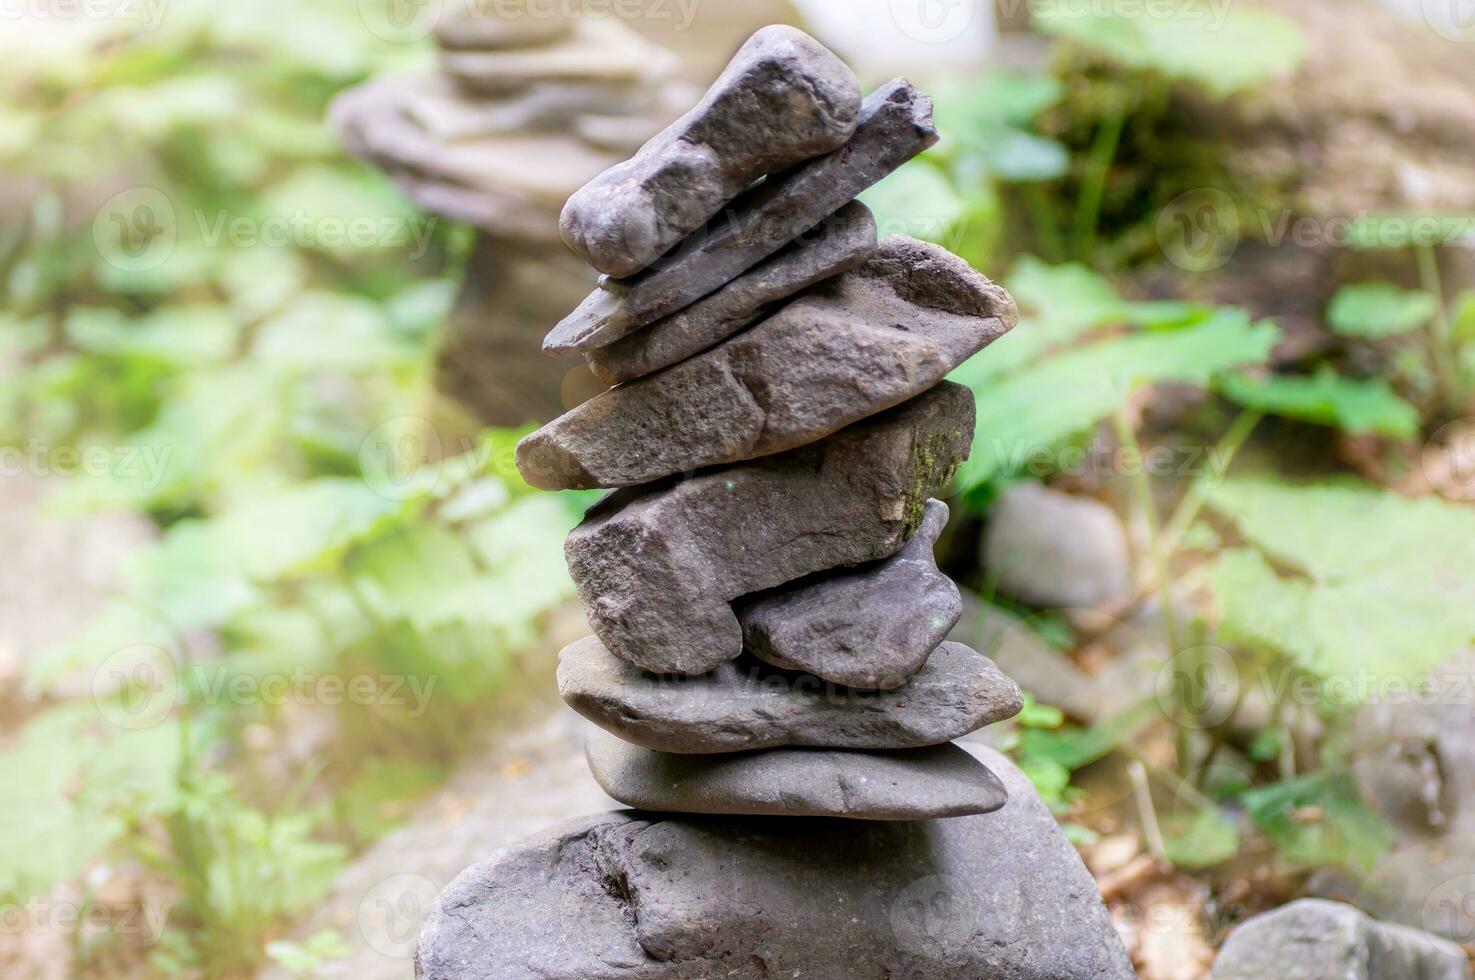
1047	230
1142	489
1223	455
1093	181
1441	343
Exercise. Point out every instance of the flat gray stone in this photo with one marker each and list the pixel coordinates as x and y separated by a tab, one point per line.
903	784
871	627
630	896
849	348
1319	940
840	243
600	50
747	705
1056	550
479	26
658	566
783	99
895	125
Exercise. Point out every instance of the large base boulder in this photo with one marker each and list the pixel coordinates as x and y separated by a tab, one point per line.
649	897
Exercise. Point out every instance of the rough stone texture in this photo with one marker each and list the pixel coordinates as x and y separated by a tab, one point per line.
851	347
895	125
783	99
870	627
657	567
1414	758
1316	940
476	26
996	897
597	51
840	243
746	705
1056	550
901	784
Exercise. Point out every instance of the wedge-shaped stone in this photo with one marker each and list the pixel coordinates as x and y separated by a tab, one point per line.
784	99
871	627
895	125
658	566
852	347
840	243
903	784
748	705
996	897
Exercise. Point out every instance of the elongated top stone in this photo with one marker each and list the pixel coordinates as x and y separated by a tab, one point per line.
895	125
840	243
996	897
748	705
904	784
852	347
783	99
657	566
871	627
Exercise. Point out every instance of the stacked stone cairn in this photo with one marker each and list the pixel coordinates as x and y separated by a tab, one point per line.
769	620
520	112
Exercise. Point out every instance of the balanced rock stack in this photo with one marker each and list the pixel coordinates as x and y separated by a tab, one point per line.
769	620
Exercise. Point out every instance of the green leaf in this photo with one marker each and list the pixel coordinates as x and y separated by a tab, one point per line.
1319	821
1201	840
1064	300
1373	588
1358	407
1375	310
916	200
68	775
1035	410
1225	49
1462	320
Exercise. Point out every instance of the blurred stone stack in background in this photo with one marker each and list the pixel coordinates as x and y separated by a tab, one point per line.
769	619
519	114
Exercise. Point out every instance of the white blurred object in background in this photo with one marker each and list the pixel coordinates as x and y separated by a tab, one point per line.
1453	20
919	38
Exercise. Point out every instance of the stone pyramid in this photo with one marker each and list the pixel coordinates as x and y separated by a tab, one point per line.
769	679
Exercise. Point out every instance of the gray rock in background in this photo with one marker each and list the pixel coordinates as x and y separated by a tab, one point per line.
657	567
1317	940
895	125
746	705
901	784
841	243
871	627
995	897
1056	550
849	348
783	99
